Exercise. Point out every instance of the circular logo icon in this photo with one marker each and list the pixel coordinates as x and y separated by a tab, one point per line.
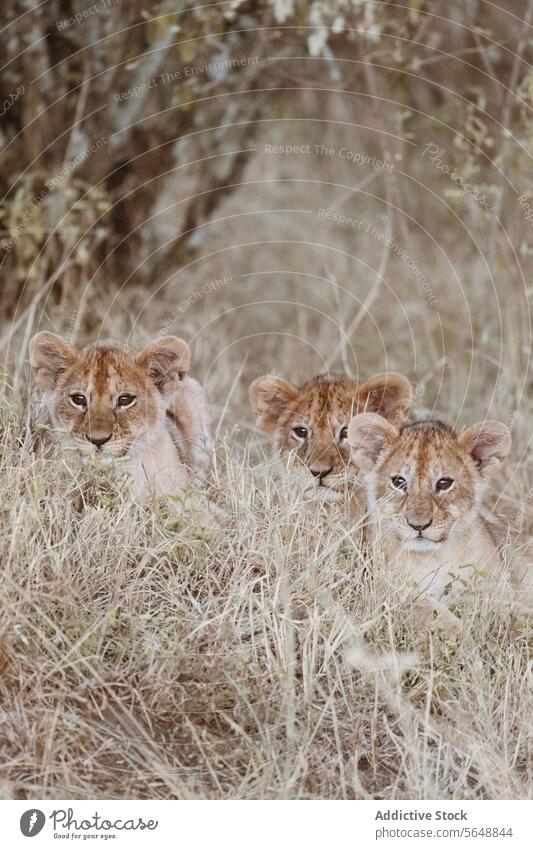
32	822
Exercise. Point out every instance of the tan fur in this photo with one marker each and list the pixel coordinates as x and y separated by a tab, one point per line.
436	536
324	407
163	435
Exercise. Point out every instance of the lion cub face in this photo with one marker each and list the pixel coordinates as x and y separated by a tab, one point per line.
106	397
309	424
424	482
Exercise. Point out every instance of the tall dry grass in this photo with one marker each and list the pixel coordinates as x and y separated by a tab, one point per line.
145	656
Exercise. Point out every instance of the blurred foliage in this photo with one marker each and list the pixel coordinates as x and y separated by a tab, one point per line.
92	141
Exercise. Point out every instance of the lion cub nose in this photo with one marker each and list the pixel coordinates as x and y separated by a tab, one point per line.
320	473
98	440
417	525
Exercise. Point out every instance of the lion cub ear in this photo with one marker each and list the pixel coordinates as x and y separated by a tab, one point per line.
369	435
50	356
390	395
269	396
488	443
167	361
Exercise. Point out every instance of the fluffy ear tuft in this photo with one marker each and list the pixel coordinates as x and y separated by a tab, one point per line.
488	443
50	356
390	395
269	397
369	435
167	361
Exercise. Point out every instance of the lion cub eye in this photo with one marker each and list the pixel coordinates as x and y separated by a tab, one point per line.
398	482
125	400
443	484
300	432
78	400
343	434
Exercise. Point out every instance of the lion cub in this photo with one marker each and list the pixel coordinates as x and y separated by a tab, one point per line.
309	424
140	406
424	485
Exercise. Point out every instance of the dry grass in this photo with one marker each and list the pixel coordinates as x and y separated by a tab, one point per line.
144	657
